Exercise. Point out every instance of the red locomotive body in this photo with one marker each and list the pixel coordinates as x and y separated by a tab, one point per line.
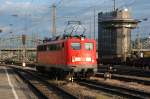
73	54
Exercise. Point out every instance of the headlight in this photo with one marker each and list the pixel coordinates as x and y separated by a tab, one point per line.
76	59
82	38
92	60
73	60
88	59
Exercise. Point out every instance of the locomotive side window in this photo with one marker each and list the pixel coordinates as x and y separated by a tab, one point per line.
44	48
48	47
54	47
89	46
76	46
51	47
41	48
38	48
62	45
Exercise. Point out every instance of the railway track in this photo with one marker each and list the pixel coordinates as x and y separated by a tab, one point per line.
126	70
78	92
108	88
119	90
141	80
44	89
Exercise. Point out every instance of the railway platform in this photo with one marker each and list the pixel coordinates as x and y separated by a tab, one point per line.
12	87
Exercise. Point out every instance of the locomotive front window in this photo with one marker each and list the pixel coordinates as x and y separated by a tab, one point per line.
76	46
89	46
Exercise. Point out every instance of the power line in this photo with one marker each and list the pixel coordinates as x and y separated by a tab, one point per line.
59	2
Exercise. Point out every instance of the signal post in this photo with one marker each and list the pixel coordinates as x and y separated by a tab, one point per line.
23	50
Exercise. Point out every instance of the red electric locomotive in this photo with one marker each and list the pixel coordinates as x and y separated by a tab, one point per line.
69	55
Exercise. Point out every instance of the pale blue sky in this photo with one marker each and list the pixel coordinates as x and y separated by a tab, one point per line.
35	14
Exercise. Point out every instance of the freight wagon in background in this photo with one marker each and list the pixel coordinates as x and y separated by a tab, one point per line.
140	59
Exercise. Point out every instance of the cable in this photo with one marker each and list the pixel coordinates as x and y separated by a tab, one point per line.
128	4
59	2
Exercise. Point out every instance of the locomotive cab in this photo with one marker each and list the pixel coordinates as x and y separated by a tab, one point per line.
81	54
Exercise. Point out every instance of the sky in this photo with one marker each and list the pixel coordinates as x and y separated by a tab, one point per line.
34	16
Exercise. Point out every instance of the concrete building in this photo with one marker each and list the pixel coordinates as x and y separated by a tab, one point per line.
114	35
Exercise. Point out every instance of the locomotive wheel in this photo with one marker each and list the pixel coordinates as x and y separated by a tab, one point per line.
89	73
58	74
40	69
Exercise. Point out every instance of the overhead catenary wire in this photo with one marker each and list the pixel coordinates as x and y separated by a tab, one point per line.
59	2
128	4
84	8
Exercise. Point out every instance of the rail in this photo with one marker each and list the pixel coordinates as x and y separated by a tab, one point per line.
119	90
42	86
